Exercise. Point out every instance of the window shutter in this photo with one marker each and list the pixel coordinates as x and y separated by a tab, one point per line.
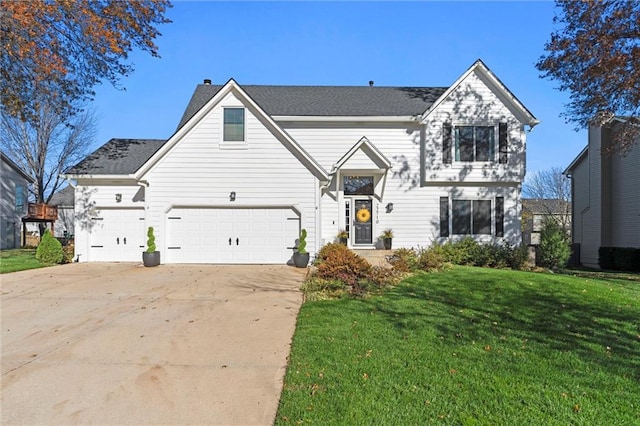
502	143
499	216
446	143
444	216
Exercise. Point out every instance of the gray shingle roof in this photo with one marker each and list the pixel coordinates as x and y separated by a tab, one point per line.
117	157
327	100
64	197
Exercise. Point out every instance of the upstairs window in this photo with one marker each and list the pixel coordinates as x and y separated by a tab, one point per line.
20	199
233	125
474	143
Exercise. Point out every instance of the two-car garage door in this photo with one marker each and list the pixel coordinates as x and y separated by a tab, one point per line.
238	235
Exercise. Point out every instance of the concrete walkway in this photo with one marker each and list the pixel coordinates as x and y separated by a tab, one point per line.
122	344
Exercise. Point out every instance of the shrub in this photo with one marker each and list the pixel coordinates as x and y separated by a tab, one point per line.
49	250
462	252
151	240
302	242
619	258
431	259
518	257
404	260
68	251
337	262
554	249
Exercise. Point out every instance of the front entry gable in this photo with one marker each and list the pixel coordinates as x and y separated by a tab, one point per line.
231	95
362	159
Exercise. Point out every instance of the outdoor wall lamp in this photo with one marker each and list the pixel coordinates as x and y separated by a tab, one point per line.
118	198
232	196
389	207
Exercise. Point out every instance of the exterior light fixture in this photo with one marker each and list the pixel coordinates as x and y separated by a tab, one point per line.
389	207
118	198
232	196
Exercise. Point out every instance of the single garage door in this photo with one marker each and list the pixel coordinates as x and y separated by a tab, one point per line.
117	235
239	235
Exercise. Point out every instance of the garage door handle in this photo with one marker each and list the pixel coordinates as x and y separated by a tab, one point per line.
125	240
237	241
118	240
229	241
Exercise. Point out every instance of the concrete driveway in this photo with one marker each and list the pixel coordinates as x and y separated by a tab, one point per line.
118	343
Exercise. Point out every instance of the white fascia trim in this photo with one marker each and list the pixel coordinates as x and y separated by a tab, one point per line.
526	116
100	177
349	118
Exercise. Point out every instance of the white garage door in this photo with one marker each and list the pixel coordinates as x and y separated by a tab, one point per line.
117	235
217	235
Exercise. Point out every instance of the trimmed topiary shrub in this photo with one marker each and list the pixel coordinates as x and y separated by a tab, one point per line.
151	240
49	250
302	242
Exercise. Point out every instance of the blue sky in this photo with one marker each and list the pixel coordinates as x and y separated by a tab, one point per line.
334	43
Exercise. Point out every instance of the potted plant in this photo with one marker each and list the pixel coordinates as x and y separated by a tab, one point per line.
387	236
151	257
301	255
343	236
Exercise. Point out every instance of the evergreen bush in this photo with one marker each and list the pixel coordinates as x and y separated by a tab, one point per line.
49	250
554	249
151	240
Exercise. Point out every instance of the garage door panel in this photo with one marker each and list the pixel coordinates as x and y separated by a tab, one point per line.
117	235
244	235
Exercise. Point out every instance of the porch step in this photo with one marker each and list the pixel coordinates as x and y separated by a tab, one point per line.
375	257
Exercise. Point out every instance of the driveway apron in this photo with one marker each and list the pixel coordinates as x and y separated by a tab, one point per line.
117	343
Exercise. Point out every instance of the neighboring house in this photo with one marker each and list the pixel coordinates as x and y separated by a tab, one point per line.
15	183
64	201
534	213
250	166
605	192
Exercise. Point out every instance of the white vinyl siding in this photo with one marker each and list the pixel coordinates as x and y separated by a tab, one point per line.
625	199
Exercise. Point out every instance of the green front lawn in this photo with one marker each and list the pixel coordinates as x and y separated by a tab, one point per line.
18	260
470	346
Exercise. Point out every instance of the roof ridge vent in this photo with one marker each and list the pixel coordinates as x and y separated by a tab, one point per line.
370	83
207	81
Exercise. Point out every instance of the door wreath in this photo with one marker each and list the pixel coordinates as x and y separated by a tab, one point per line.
363	215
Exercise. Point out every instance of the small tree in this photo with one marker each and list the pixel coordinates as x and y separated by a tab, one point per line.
554	249
49	250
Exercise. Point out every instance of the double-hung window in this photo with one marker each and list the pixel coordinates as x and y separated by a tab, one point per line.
233	125
474	143
19	193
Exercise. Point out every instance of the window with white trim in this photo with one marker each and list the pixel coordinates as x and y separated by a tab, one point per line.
233	130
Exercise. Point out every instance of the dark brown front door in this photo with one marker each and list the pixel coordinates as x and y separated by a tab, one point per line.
362	225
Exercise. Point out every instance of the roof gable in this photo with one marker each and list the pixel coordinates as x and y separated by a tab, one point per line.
496	86
232	87
369	150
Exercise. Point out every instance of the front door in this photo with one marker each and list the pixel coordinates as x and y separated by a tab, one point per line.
362	225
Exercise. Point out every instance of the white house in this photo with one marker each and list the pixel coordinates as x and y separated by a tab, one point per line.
250	166
13	203
605	192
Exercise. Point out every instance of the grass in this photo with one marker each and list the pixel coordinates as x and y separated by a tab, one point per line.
18	260
470	346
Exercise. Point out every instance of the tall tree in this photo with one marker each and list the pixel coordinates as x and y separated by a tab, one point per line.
552	192
62	48
595	56
46	145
